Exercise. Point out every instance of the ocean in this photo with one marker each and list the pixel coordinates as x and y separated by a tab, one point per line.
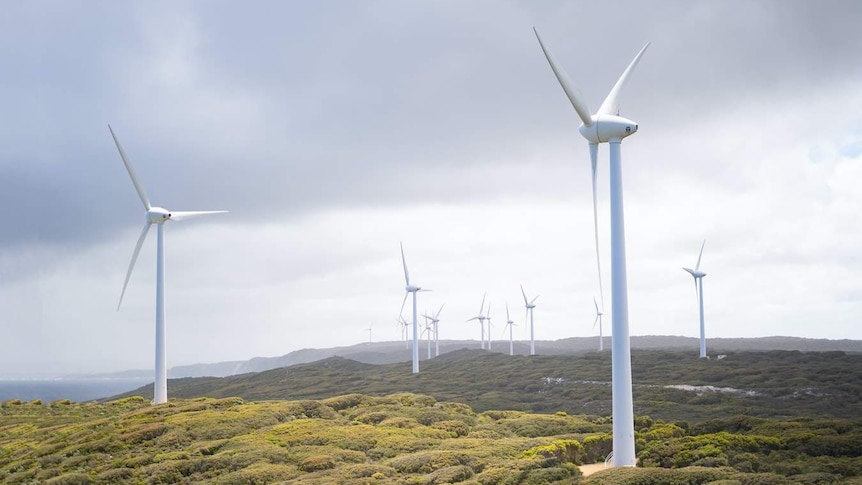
79	390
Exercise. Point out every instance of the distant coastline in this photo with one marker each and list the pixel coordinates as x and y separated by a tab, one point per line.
50	389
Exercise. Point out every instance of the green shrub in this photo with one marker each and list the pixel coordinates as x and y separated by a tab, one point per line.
69	479
451	474
317	462
258	474
564	451
454	428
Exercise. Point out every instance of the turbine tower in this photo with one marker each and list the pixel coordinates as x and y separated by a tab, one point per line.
158	216
598	321
698	291
510	324
369	332
530	305
481	319
606	126
408	290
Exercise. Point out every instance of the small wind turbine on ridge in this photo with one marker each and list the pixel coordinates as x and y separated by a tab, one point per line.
510	324
698	291
481	319
408	290
435	320
530	305
158	216
598	321
488	318
606	126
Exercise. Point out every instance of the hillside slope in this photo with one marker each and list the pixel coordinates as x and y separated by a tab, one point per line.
668	385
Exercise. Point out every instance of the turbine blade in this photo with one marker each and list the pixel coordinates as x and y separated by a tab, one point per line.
611	105
139	187
140	243
404	262
423	289
697	267
574	95
525	295
534	299
507	312
183	215
595	322
594	153
690	271
404	302
597	306
471	319
481	308
438	311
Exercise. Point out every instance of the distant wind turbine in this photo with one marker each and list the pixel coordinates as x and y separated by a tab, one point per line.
158	216
403	325
598	321
435	320
606	126
369	332
510	324
408	290
530	305
698	291
488	318
481	319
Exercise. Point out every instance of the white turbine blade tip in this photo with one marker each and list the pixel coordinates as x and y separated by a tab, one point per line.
574	95
139	187
184	215
611	105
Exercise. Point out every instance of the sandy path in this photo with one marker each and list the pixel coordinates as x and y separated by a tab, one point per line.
587	470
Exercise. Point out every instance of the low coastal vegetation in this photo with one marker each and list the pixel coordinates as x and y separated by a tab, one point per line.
402	438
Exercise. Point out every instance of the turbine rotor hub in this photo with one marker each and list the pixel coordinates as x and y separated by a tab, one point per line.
158	215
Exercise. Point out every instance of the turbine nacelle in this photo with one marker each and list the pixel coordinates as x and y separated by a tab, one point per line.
695	273
412	289
608	128
158	215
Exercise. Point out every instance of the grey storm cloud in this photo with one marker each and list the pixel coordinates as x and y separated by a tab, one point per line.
286	106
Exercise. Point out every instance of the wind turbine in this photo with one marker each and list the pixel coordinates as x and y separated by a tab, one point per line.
427	332
698	291
158	216
481	319
606	126
435	320
369	332
510	324
403	324
598	321
488	318
530	305
411	289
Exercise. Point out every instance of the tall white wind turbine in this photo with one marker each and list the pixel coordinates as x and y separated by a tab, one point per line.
598	321
481	319
411	289
698	290
606	126
158	216
369	331
510	324
530	305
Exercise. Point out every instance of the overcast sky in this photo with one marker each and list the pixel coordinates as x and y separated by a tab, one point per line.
333	130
